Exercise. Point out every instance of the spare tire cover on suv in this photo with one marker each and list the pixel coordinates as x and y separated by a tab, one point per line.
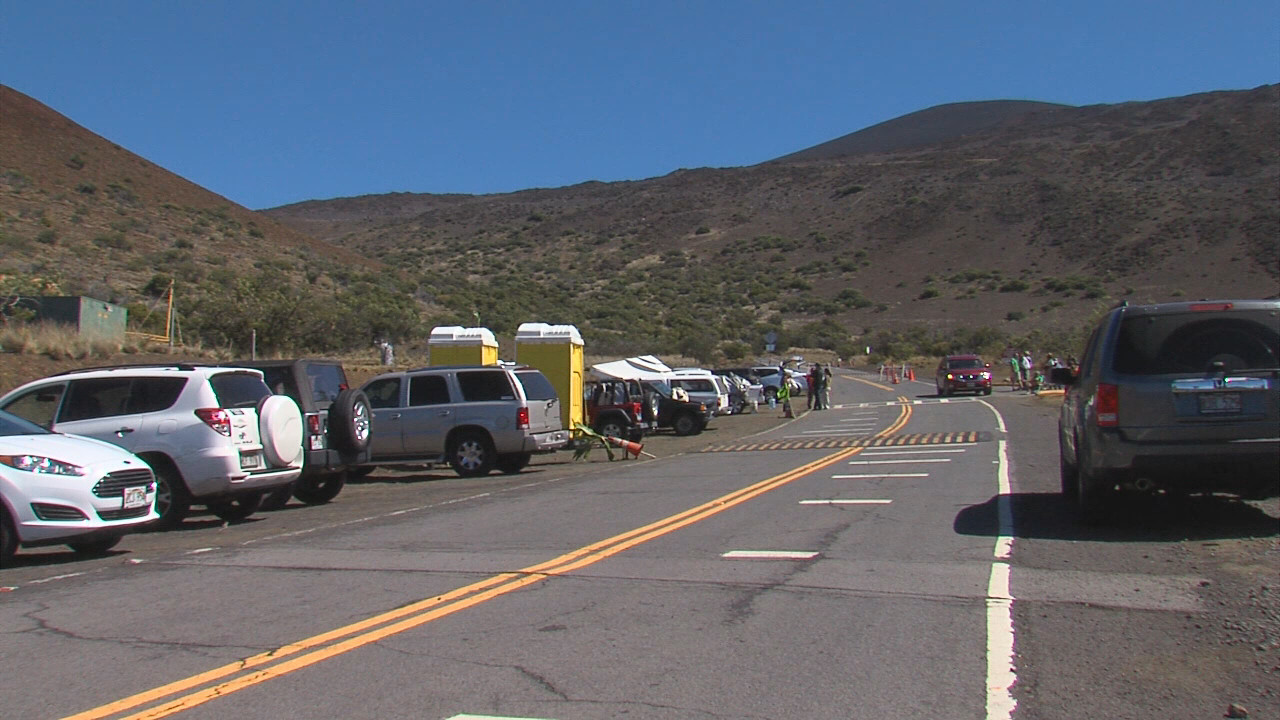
280	425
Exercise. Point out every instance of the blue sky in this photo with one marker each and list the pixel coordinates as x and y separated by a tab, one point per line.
269	103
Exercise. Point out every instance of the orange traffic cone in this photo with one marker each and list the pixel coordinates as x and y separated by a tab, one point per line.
911	374
629	448
893	377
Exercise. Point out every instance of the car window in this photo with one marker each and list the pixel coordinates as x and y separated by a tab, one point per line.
153	394
691	385
485	385
280	380
14	425
536	385
964	364
326	382
95	398
1197	342
38	405
238	389
384	393
428	390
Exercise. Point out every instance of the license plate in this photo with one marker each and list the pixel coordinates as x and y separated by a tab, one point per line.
135	497
1219	403
250	461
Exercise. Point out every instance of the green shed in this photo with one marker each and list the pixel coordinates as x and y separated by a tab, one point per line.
90	317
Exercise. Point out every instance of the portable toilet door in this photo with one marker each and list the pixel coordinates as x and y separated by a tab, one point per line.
556	350
455	345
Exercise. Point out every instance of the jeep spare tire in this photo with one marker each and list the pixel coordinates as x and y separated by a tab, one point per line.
349	421
280	426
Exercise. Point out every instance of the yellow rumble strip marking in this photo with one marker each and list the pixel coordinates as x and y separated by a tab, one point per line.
858	441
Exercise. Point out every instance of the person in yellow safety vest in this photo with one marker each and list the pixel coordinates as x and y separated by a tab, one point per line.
784	397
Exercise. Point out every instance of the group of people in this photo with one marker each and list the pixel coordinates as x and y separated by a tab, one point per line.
1025	375
818	395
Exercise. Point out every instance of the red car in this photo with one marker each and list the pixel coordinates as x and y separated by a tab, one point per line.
963	373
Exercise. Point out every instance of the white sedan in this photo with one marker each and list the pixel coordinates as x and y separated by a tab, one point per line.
60	489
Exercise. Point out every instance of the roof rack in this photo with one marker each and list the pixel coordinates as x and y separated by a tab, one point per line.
139	366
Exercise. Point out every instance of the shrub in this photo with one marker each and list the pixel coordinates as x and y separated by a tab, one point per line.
929	293
1014	315
1015	285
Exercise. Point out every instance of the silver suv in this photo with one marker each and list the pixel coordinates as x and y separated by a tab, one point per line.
214	436
1179	396
475	418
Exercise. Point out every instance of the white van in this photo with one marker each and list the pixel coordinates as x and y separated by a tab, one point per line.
703	386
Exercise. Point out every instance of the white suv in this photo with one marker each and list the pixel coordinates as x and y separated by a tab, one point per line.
214	436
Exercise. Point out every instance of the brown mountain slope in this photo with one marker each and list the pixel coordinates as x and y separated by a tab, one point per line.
1033	223
91	217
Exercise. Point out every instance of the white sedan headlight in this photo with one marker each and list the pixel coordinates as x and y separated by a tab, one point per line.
40	464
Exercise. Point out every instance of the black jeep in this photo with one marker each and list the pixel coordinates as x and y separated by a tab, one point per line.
336	421
684	417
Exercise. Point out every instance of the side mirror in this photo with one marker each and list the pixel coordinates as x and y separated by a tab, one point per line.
1062	376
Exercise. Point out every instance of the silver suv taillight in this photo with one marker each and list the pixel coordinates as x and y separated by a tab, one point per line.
216	418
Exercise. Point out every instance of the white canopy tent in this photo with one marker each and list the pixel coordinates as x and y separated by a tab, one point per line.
644	367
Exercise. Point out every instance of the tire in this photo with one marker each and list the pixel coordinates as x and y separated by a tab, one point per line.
319	488
471	454
277	498
1070	478
1091	499
513	463
8	538
95	547
771	393
652	404
350	421
686	423
280	427
987	391
239	507
611	427
173	501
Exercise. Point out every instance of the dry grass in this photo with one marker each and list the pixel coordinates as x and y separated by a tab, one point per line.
61	342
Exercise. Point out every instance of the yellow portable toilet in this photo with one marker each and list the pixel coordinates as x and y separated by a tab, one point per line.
557	351
454	345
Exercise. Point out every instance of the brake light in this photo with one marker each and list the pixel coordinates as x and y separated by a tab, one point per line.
313	425
1211	307
1106	405
522	418
216	418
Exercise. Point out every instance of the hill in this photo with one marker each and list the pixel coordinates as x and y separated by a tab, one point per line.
966	225
1020	218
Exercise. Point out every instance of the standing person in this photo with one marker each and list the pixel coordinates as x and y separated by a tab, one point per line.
784	397
816	384
1015	372
826	388
1026	363
811	381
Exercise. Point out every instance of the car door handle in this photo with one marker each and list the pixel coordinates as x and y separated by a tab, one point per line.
445	413
121	432
393	416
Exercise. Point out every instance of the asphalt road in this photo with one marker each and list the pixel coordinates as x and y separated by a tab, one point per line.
899	555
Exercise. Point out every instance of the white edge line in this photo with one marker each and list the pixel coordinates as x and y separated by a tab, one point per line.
1001	675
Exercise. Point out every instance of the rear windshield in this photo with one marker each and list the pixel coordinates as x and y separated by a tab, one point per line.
1198	342
485	386
326	382
698	386
536	385
238	389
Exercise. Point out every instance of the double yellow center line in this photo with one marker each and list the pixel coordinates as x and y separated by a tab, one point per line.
269	665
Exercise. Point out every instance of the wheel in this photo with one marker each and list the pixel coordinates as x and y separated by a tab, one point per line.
987	391
8	538
277	498
1070	478
652	404
1091	498
319	488
280	426
686	424
349	421
771	393
237	508
471	454
514	463
173	501
611	427
95	547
